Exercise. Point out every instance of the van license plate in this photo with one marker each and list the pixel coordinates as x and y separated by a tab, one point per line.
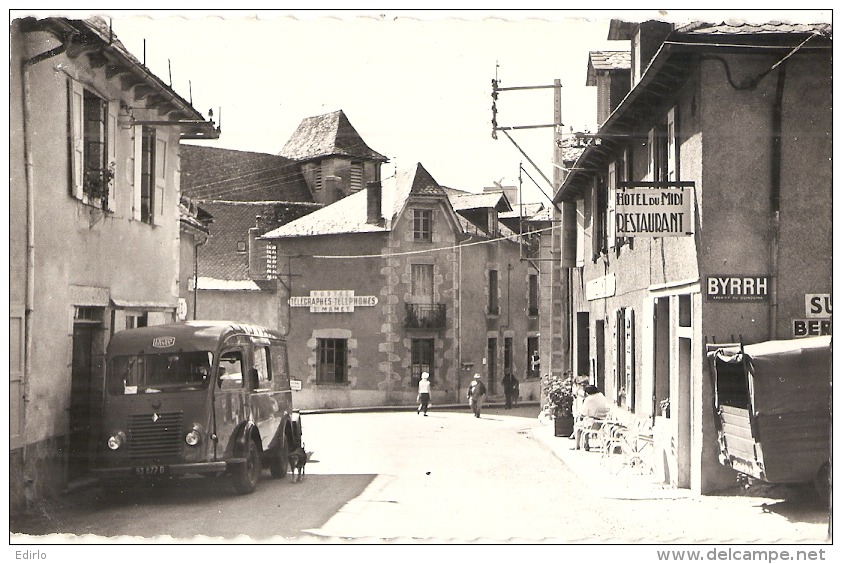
154	470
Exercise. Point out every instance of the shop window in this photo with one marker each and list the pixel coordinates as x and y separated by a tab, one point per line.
332	366
136	319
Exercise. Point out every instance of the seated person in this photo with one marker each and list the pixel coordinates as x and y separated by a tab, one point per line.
594	407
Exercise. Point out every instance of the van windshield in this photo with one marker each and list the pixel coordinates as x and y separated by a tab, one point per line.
156	373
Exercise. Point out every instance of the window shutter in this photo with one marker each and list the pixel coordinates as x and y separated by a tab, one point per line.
595	219
653	151
570	245
580	233
672	147
160	180
612	196
138	173
112	153
77	138
615	356
629	357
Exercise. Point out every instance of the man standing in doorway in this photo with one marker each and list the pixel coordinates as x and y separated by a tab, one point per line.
476	392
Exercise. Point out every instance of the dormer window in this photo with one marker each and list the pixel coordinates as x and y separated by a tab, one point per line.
422	225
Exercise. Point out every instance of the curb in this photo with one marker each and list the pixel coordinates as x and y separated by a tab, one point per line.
387	408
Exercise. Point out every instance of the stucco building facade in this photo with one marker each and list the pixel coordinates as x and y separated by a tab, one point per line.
729	128
94	231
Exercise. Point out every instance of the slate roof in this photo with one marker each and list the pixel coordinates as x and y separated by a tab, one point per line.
461	200
327	135
740	27
225	174
219	257
606	61
349	214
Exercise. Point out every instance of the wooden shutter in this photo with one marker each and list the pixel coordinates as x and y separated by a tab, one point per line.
628	343
616	358
160	180
580	233
672	147
112	153
77	101
595	220
652	173
137	176
612	196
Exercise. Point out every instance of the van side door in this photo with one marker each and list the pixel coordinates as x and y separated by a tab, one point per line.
265	410
230	406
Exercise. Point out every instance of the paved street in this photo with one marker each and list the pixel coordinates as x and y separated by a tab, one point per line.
445	478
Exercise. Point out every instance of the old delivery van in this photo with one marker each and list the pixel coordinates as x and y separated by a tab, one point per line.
202	397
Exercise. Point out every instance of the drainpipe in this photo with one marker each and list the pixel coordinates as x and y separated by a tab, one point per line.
775	199
196	275
29	171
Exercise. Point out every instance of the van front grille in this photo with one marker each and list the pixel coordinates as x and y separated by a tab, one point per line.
154	435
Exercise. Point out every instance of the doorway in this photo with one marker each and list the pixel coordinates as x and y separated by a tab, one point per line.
85	400
492	365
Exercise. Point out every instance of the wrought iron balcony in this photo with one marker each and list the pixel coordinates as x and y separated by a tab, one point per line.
425	316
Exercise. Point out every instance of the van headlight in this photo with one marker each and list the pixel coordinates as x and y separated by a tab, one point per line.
194	437
116	440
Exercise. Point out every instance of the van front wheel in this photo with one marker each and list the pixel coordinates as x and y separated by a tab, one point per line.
247	474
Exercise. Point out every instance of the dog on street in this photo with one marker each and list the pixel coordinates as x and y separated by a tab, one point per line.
297	460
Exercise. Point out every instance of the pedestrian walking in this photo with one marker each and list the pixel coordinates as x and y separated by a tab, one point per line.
476	392
423	393
509	383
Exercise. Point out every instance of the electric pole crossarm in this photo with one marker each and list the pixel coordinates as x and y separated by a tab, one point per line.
514	127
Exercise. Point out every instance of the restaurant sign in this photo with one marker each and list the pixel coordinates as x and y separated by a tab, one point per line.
653	212
332	301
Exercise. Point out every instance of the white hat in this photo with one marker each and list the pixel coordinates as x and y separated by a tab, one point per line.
477	376
425	375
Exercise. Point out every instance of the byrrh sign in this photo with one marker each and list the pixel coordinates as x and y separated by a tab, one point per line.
730	288
653	212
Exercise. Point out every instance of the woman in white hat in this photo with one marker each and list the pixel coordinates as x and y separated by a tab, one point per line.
423	393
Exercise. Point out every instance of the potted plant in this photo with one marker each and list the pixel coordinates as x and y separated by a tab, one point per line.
558	391
665	407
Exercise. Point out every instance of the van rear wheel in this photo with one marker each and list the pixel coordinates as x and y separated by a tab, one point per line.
279	461
246	475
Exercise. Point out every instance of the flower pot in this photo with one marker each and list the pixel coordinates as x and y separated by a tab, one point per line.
563	425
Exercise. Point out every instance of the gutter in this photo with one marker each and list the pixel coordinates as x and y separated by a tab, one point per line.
29	172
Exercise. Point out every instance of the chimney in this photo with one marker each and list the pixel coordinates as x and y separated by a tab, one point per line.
374	200
255	271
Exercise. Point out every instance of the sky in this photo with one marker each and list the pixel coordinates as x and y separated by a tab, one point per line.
415	84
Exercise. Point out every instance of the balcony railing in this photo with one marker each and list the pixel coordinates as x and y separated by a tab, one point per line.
425	316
